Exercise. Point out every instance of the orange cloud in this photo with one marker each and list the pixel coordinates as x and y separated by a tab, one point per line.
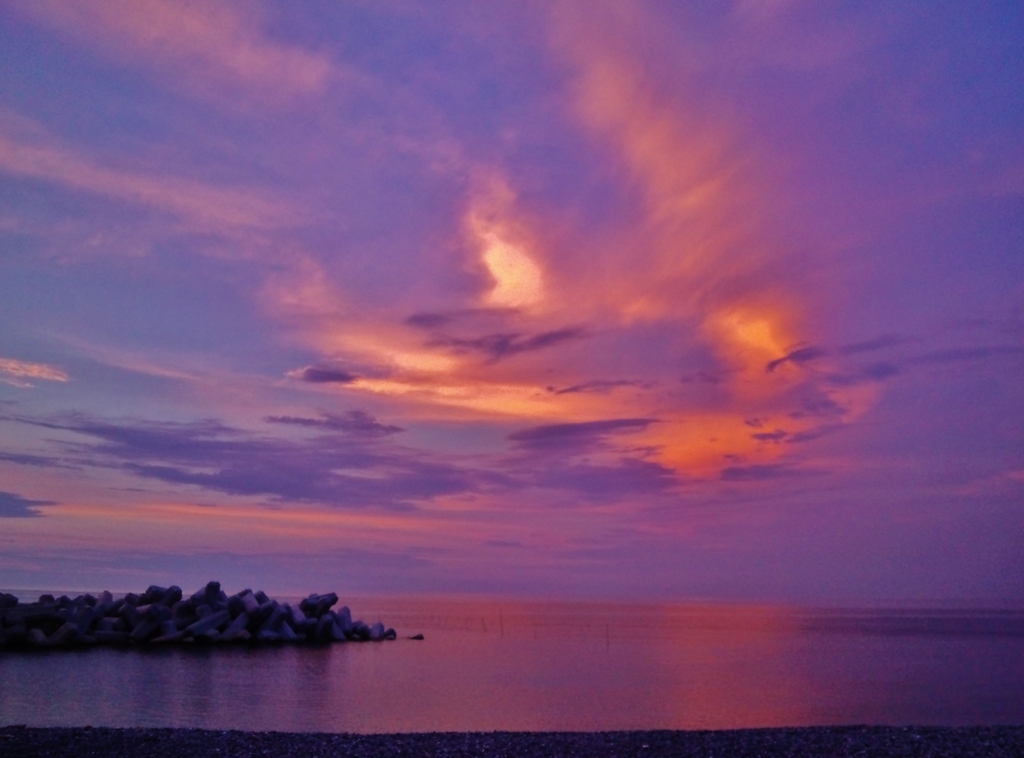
698	265
696	245
702	252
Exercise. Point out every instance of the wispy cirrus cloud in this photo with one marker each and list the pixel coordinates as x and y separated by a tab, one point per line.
210	49
22	373
196	204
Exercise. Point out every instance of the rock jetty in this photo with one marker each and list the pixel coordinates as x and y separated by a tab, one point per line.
162	615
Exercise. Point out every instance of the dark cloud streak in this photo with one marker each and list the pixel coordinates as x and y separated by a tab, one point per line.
351	460
798	356
599	386
322	375
357	423
16	506
584	434
505	345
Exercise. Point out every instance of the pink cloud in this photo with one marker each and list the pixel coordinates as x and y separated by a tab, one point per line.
21	373
204	48
199	205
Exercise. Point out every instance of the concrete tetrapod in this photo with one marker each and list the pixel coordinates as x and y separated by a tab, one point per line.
162	615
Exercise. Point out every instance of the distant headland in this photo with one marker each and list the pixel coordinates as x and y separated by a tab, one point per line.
162	615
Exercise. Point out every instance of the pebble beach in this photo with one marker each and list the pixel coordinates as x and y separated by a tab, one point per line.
992	742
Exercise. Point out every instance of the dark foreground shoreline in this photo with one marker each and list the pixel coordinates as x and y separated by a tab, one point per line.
993	742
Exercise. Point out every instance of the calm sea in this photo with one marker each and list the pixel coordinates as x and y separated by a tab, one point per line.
508	665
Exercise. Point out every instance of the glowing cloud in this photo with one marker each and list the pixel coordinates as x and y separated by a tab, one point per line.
751	338
18	373
517	279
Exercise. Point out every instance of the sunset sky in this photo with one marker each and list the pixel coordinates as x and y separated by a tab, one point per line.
574	299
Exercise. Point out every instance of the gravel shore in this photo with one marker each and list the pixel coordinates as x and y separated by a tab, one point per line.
992	742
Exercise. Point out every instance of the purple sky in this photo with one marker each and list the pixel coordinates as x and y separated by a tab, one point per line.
620	299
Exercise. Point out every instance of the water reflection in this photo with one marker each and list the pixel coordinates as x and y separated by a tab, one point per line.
516	665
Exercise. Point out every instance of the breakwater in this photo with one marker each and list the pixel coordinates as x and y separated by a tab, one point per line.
163	615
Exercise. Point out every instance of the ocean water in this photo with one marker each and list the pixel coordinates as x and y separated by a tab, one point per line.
508	665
